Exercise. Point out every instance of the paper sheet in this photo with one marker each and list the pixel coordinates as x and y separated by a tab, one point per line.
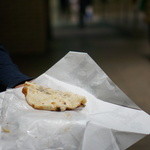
110	120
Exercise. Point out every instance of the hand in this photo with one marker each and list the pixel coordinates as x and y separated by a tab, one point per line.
20	85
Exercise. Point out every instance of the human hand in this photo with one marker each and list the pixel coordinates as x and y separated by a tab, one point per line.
20	85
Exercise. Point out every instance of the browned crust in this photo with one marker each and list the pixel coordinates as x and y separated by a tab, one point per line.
24	91
54	109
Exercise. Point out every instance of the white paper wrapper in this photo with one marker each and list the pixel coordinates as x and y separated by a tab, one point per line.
110	120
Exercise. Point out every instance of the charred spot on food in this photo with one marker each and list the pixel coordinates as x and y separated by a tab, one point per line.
24	91
58	109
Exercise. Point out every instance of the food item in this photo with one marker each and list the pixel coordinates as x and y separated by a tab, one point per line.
43	98
5	130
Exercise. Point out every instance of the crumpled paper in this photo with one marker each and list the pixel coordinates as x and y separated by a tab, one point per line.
110	120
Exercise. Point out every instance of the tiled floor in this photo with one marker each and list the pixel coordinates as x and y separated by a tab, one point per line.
119	54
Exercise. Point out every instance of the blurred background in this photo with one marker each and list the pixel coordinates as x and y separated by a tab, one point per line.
115	33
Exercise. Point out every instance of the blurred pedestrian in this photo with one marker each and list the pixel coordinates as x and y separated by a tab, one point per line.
145	9
64	9
82	11
64	4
